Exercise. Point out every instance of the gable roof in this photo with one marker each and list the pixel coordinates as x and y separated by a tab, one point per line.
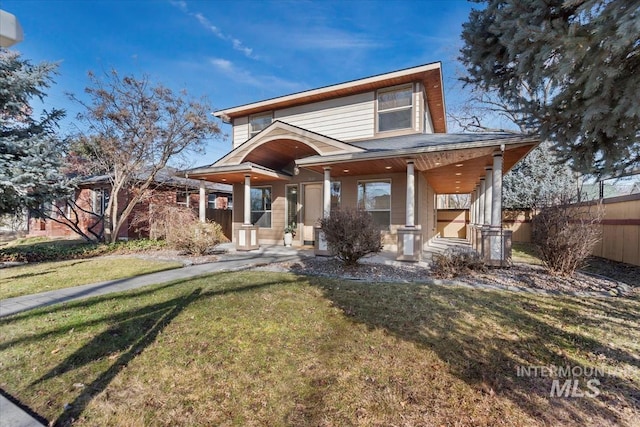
429	74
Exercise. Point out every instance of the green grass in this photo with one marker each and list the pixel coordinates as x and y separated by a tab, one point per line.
39	249
47	276
256	348
525	253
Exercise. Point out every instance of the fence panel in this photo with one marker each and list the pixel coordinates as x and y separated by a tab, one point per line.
224	217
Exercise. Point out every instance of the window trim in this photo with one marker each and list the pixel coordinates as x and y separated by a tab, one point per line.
411	107
252	116
385	180
262	187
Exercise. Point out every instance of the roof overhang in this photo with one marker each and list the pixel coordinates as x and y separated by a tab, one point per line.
429	74
230	174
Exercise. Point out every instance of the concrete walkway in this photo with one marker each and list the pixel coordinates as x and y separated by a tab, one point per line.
12	415
227	262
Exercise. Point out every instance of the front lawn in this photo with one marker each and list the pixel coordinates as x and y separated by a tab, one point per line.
256	348
47	276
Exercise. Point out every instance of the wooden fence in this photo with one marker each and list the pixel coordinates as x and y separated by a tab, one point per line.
224	217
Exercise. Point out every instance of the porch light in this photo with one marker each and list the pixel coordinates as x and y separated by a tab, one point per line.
457	182
345	170
459	165
438	163
458	173
387	167
224	179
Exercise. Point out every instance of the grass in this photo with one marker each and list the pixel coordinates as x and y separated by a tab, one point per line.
525	253
256	348
39	249
42	277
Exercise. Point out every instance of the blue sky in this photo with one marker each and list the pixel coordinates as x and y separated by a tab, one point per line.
235	52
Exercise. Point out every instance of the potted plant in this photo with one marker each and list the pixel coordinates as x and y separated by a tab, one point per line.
289	234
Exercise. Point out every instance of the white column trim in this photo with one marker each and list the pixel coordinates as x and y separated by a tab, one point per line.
326	196
496	200
411	195
481	204
203	202
247	200
488	194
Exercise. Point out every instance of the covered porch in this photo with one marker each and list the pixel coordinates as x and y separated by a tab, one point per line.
290	177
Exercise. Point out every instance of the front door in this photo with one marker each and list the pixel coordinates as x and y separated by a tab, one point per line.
312	211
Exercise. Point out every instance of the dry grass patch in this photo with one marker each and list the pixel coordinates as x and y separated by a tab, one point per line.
48	276
278	349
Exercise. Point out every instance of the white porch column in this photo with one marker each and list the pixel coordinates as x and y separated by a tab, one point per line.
203	203
481	200
488	195
411	195
496	200
247	200
472	207
326	198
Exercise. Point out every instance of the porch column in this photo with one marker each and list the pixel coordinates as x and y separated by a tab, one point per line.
488	195
326	199
247	200
411	195
247	234
410	237
481	200
203	203
496	201
496	240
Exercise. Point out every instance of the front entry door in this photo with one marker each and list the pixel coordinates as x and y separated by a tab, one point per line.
312	211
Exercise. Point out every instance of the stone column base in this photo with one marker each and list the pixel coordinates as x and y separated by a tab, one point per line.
247	238
320	247
409	244
496	245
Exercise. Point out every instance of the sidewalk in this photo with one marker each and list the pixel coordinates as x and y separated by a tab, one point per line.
227	262
12	415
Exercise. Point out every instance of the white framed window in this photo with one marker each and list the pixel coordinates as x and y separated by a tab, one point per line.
258	122
375	198
182	198
395	108
261	206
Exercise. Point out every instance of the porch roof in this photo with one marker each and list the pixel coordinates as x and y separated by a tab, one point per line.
237	173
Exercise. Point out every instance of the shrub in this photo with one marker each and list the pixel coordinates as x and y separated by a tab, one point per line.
455	262
196	237
351	234
565	235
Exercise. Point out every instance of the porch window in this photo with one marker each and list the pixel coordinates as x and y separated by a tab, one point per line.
292	205
258	122
182	198
395	108
375	198
261	206
100	200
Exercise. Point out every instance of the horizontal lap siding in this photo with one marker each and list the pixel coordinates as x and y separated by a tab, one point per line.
351	117
240	130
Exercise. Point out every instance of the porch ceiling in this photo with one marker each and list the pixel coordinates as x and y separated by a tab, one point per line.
279	153
454	171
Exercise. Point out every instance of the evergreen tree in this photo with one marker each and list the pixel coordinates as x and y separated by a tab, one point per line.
30	151
570	68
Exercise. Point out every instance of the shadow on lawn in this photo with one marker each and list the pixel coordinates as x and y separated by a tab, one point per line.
130	332
460	326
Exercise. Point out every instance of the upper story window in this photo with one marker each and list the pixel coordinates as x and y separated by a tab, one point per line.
395	108
258	122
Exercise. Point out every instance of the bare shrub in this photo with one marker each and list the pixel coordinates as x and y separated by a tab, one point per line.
455	262
351	234
564	235
182	230
196	237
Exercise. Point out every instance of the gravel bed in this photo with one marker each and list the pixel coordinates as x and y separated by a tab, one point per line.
519	277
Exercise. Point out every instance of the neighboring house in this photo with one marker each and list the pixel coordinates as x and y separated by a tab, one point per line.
378	144
93	195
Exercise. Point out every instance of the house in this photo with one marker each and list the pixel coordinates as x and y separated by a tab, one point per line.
380	144
93	193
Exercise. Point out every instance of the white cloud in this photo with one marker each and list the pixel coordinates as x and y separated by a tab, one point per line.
206	24
243	76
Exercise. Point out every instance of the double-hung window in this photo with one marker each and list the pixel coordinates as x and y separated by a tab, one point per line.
258	122
375	198
395	108
261	206
100	200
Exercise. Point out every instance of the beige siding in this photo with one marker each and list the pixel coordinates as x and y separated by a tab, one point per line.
344	118
427	213
240	131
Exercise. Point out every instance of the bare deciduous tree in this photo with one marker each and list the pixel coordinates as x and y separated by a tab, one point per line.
133	128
